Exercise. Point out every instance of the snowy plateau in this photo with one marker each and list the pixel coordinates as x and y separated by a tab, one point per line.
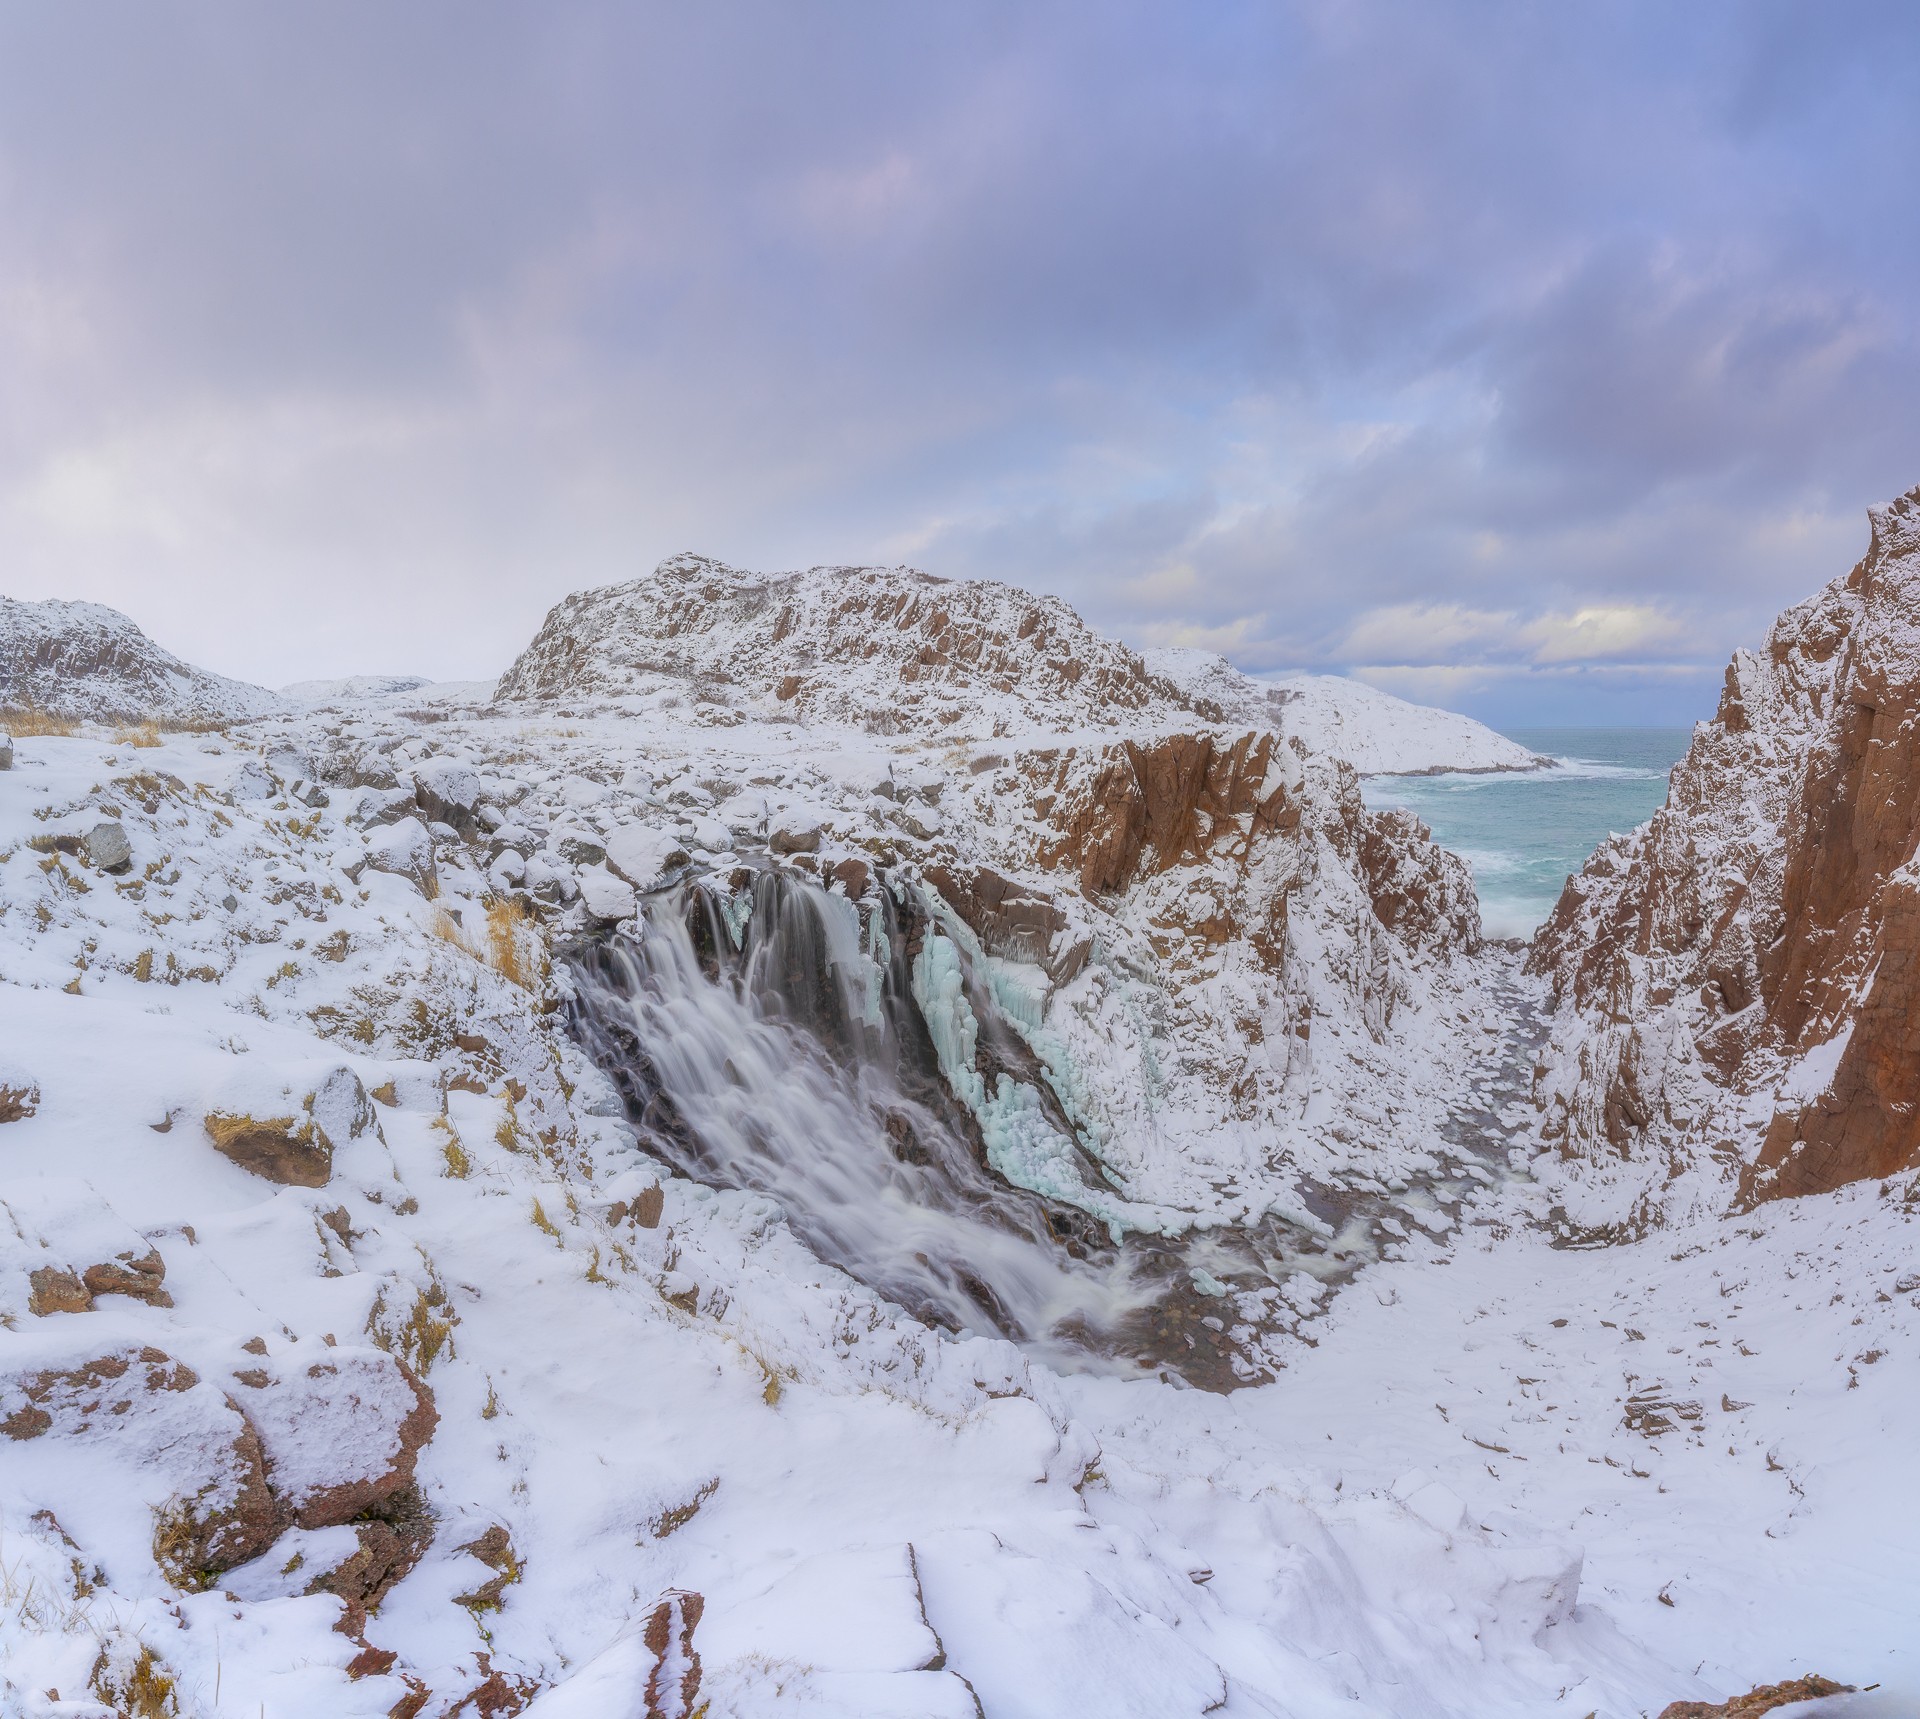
839	1143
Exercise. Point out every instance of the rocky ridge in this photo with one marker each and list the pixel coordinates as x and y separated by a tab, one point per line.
1733	983
84	661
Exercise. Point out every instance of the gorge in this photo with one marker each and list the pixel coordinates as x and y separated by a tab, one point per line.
842	1142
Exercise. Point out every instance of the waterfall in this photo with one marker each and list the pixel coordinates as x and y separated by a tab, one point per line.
782	1050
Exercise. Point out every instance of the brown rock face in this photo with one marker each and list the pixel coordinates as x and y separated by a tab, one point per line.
1011	920
52	1290
1758	1701
1152	804
674	1682
1756	944
285	1149
155	1414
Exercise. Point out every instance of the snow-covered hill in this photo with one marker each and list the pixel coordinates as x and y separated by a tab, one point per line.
884	649
86	661
1380	735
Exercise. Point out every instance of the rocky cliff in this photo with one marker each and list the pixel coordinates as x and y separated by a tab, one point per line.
1733	983
86	661
1220	947
886	649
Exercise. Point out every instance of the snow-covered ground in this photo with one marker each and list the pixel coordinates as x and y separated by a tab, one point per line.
1380	735
362	1353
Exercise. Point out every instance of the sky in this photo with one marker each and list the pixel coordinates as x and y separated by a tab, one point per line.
1523	358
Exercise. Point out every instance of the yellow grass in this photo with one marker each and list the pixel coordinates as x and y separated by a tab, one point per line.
24	722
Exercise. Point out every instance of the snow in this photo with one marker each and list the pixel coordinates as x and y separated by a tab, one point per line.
1438	1500
1380	735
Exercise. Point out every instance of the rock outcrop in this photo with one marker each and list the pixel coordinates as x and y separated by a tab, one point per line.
1734	983
88	662
882	648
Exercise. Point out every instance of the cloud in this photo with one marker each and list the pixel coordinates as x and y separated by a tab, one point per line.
1325	335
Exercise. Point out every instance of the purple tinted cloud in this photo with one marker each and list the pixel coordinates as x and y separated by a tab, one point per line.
351	338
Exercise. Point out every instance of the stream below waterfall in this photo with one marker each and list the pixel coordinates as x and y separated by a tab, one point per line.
767	1034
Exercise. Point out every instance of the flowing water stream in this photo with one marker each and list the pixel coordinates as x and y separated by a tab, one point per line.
772	1036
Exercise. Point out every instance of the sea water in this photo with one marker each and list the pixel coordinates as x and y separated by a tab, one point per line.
1524	833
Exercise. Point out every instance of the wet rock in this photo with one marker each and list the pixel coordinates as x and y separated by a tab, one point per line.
108	850
1012	920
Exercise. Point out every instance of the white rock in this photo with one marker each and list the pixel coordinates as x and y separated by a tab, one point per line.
604	895
643	854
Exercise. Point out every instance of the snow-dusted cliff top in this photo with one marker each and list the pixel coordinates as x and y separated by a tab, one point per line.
88	661
889	649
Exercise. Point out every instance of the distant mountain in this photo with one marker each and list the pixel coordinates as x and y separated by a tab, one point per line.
1378	734
86	661
352	687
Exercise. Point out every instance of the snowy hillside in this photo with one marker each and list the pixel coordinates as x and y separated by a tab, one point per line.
1372	730
984	1181
83	660
1380	735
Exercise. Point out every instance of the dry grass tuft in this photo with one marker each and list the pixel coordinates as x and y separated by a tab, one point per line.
444	926
140	734
24	722
508	937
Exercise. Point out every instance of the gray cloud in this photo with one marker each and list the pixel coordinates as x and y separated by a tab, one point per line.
351	338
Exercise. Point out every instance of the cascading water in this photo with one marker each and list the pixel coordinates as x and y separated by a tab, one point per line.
787	1055
771	1036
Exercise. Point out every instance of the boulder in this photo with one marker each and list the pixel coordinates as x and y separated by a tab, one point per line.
795	831
108	850
342	1431
643	855
53	1289
252	781
450	792
404	850
295	1146
606	898
146	1430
